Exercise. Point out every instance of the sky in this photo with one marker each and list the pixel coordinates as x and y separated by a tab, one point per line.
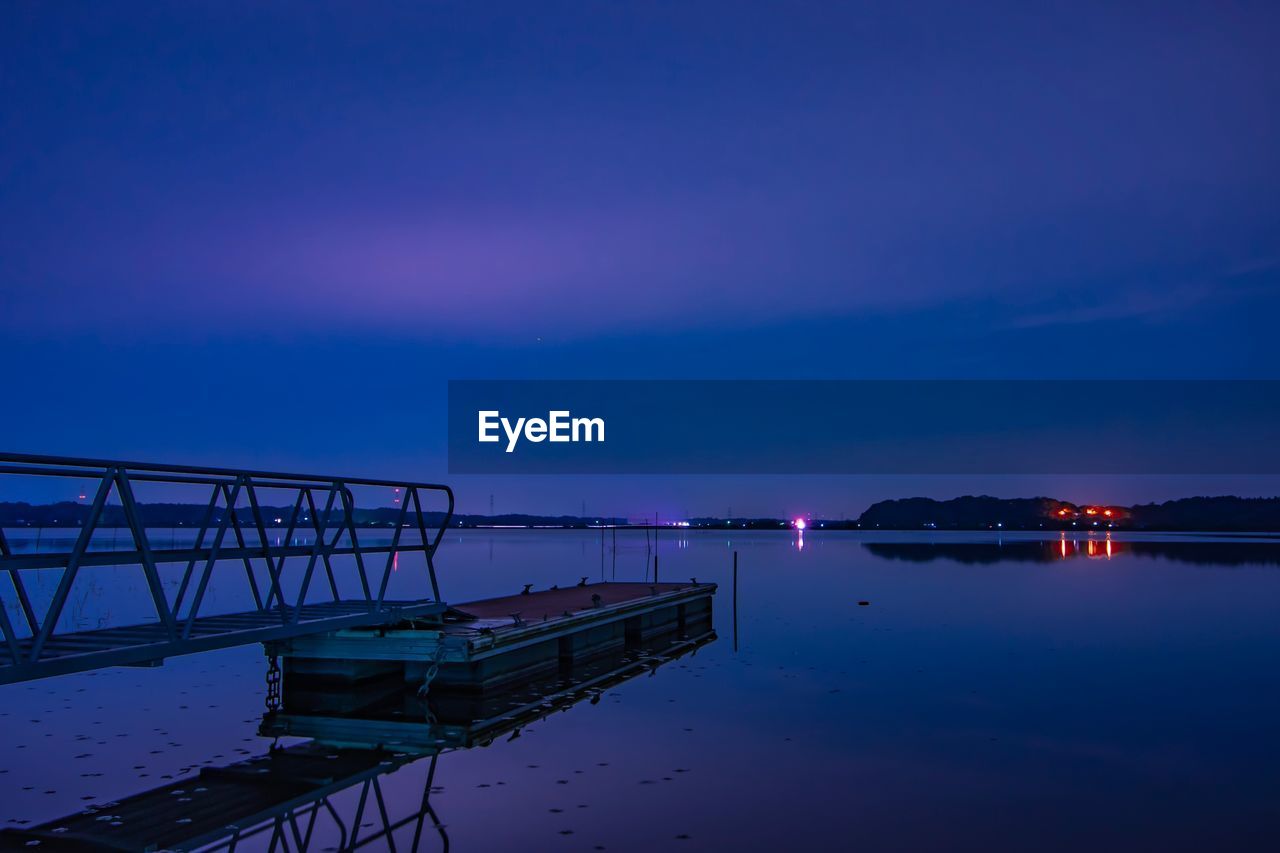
267	234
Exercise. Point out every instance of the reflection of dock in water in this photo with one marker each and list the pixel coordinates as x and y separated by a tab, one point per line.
282	801
327	792
405	720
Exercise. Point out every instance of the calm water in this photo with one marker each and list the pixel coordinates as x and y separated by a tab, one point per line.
1014	693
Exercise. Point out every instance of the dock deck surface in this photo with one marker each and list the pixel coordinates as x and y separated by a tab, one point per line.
524	629
549	603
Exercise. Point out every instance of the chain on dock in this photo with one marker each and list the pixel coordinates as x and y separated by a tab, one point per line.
433	669
273	684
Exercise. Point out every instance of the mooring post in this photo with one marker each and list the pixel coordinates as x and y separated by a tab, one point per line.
735	601
655	547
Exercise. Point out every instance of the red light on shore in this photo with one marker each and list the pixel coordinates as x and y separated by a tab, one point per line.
799	524
1107	513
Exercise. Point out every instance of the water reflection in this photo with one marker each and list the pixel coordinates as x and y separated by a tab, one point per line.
1079	702
1199	552
332	791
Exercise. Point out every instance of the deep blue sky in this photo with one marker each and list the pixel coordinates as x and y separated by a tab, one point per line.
238	235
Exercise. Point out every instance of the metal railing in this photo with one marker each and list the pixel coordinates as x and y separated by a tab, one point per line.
233	511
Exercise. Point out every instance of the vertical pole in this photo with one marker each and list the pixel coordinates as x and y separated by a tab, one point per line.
655	547
735	601
615	549
647	551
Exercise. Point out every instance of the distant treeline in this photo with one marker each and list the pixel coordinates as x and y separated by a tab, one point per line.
985	513
965	513
70	514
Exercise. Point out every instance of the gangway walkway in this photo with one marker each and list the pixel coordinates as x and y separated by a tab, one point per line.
281	574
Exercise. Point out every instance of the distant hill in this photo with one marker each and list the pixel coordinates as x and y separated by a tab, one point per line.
966	513
986	513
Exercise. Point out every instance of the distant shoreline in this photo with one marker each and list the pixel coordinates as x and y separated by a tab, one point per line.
1225	514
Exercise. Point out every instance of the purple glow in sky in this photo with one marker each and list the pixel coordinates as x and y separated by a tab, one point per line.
257	206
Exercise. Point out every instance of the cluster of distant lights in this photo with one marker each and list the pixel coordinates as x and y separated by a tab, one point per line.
1096	514
1089	510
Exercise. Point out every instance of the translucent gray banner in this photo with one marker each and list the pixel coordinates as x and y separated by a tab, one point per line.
864	427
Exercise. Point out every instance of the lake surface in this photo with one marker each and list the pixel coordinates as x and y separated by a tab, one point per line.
1009	693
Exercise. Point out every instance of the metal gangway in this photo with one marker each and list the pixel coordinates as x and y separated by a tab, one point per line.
317	535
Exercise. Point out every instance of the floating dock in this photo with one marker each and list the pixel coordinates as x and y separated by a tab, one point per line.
485	645
392	716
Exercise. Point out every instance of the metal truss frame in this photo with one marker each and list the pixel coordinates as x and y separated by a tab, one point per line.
237	533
